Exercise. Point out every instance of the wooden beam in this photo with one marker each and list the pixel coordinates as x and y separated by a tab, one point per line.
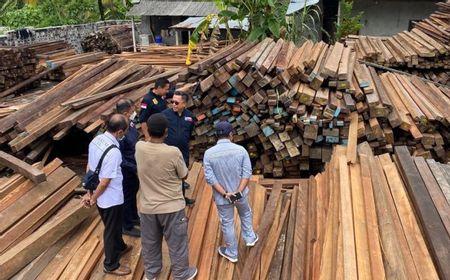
28	171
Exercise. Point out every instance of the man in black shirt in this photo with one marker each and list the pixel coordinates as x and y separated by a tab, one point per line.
154	102
129	170
181	125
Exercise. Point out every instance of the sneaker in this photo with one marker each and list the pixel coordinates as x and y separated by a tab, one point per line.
186	185
222	252
145	278
192	273
189	201
132	232
251	244
120	271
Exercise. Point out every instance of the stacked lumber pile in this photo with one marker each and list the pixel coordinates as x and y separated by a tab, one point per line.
45	117
71	63
36	212
16	65
361	219
295	112
113	39
292	104
441	77
425	46
52	50
170	56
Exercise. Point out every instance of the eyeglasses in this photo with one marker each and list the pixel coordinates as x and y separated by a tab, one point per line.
175	102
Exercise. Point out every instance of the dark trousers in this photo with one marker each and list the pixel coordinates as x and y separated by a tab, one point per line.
112	235
130	189
173	226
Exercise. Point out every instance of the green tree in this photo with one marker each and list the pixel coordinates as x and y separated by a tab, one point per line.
348	23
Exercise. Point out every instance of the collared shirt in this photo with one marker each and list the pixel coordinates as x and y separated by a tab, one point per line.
110	169
180	130
226	163
152	104
160	170
128	148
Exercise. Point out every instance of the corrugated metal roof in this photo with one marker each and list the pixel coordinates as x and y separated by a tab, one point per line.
173	8
297	5
194	22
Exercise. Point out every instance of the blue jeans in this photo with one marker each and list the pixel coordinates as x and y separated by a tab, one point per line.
226	216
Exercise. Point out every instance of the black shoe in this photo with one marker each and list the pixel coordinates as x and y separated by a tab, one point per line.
186	185
189	201
132	232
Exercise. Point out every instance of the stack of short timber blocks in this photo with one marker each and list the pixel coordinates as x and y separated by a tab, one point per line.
271	93
16	65
289	105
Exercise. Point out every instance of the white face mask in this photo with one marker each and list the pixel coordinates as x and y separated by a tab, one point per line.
133	115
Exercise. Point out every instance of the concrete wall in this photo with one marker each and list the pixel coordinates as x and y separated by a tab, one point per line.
73	34
387	17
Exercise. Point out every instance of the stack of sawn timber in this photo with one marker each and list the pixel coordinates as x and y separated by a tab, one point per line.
168	56
52	50
37	214
367	222
46	118
70	63
294	103
425	46
16	65
112	39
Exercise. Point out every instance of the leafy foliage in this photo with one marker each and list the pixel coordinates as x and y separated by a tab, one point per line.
42	13
348	24
306	25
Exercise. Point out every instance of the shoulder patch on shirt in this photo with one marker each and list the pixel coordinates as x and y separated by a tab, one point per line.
188	119
143	105
155	101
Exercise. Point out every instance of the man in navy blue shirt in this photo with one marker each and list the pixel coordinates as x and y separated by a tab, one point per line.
181	125
129	170
154	102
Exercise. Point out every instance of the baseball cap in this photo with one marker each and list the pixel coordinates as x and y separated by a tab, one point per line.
224	128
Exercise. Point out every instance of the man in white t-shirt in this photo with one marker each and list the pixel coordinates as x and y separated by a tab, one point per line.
109	194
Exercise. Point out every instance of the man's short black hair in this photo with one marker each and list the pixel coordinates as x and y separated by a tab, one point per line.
161	82
183	95
116	122
157	125
124	105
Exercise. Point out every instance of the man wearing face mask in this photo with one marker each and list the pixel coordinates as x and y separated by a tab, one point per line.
126	108
181	125
154	102
108	195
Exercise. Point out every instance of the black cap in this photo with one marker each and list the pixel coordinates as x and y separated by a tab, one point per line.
224	128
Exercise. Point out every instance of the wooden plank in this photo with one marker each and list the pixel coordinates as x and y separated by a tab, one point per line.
350	271
301	218
360	226
373	235
289	245
34	197
331	66
442	205
419	252
24	252
250	264
444	184
435	232
394	264
35	218
30	172
352	138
